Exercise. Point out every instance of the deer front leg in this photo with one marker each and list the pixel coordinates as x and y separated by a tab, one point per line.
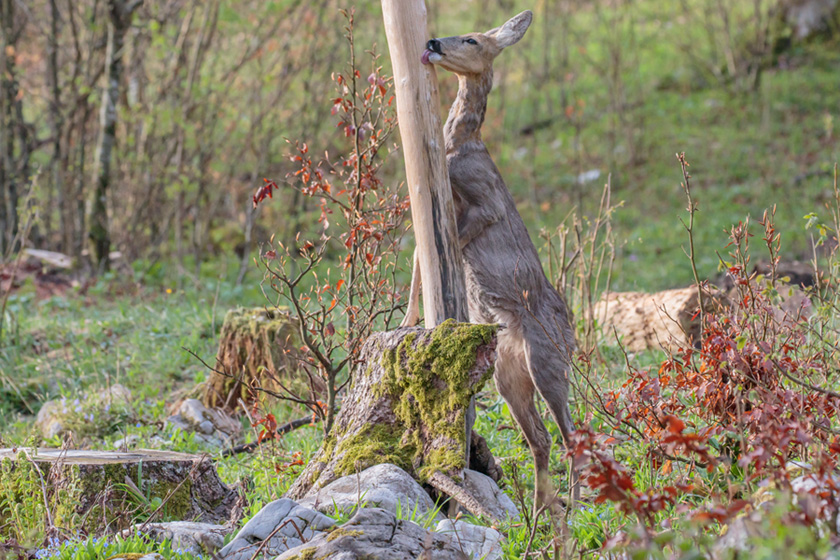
412	314
472	221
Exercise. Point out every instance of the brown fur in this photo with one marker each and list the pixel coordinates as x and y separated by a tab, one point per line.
505	280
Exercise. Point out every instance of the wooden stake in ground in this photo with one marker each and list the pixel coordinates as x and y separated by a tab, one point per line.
432	209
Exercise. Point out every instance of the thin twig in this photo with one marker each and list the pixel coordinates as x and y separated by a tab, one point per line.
692	256
266	540
280	431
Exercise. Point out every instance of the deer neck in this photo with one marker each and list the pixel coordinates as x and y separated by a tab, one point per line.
467	113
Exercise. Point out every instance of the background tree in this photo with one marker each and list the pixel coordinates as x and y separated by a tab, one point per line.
120	13
14	133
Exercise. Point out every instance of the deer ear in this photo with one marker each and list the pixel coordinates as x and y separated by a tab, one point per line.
512	31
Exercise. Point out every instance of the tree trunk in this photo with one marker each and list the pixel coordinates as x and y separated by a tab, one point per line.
9	125
120	13
56	128
110	488
407	406
427	175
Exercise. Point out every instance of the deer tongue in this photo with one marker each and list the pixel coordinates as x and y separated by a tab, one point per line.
425	57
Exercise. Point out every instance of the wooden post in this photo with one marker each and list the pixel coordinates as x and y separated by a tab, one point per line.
432	209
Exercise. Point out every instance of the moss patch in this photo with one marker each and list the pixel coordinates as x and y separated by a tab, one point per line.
375	445
307	554
340	532
179	503
431	388
22	508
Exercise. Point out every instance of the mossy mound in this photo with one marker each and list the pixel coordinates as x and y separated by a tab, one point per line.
431	388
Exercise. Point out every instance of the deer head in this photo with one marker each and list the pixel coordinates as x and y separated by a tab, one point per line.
474	53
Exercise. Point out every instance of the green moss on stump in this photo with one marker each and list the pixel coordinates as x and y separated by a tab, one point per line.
374	445
431	389
22	508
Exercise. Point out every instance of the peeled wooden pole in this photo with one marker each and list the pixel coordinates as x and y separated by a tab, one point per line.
432	209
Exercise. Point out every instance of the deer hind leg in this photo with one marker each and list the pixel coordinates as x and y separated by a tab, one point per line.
548	366
412	314
515	385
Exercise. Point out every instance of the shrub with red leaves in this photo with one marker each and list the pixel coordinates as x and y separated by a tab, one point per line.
750	407
360	226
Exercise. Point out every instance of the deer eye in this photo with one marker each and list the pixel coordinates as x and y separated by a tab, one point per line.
471	41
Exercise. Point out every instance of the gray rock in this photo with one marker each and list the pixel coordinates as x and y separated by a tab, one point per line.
738	533
285	521
179	423
376	533
206	427
382	486
474	541
486	491
48	421
128	442
196	414
201	538
115	394
211	426
54	414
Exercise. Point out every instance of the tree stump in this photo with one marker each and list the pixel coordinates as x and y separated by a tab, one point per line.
257	348
92	490
407	404
666	319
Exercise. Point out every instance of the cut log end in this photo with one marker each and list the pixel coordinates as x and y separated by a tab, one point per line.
105	488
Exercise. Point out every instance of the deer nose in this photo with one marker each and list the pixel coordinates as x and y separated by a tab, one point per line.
434	46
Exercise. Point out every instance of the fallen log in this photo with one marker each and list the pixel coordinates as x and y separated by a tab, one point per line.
406	406
98	490
667	320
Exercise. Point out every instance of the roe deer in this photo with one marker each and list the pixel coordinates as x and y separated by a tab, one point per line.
504	276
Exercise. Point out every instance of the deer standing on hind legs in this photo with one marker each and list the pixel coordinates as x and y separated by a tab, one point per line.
504	276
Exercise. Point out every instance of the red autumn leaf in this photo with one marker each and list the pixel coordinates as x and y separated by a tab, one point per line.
675	425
